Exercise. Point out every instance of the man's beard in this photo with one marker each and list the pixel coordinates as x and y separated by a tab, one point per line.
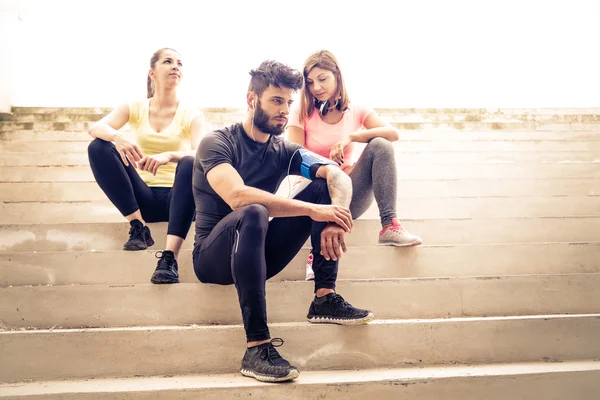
261	121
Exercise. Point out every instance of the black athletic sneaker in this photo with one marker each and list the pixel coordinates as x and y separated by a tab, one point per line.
139	237
264	363
166	270
333	309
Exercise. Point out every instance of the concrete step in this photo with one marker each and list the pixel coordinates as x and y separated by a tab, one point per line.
93	306
111	236
360	262
43	159
456	114
50	136
54	117
541	380
403	158
407	188
432	116
175	350
405	123
408	208
492	124
433	171
417	145
61	110
545	111
43	126
436	135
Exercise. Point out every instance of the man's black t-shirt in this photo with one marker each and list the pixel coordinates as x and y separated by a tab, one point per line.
261	165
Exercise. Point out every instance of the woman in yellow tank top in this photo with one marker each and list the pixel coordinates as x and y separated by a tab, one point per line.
149	177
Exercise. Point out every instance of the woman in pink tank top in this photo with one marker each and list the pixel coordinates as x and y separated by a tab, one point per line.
327	123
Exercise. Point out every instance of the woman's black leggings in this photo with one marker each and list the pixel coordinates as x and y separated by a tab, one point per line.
129	193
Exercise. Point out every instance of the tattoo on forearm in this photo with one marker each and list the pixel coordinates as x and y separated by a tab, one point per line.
340	187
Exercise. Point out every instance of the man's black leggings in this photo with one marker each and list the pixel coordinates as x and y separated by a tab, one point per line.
246	249
129	193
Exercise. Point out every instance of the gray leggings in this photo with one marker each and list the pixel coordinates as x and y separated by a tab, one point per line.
374	175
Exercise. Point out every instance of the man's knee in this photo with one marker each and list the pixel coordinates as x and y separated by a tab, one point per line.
255	215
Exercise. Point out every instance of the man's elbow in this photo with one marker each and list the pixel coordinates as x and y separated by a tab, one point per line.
235	199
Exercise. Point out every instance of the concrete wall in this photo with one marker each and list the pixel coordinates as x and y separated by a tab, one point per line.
462	53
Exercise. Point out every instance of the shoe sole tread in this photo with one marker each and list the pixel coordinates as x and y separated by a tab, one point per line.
293	374
417	243
340	321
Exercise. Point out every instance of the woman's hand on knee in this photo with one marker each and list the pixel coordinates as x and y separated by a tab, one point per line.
337	150
151	163
128	150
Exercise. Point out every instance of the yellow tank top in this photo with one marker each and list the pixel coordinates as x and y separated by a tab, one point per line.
175	137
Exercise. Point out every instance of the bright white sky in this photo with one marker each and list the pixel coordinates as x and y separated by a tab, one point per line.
419	53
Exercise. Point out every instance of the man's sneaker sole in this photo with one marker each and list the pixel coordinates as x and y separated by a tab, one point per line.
138	246
135	247
390	243
163	279
340	321
293	374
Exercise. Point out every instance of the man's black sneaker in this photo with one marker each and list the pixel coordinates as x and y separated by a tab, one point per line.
333	309
264	363
166	270
139	237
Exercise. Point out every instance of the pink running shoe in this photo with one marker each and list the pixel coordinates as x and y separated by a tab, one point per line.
395	235
310	275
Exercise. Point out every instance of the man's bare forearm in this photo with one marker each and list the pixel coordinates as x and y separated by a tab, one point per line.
277	206
340	187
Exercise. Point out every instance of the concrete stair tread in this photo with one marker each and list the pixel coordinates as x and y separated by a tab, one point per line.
407	188
403	158
403	119
148	304
60	110
381	110
83	173
403	124
119	267
472	114
349	379
408	208
173	350
437	135
422	145
112	235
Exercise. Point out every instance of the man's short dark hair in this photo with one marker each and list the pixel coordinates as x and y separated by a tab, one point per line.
274	73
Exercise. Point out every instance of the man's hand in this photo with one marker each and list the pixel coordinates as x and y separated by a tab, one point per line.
333	243
151	163
332	213
337	150
127	149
